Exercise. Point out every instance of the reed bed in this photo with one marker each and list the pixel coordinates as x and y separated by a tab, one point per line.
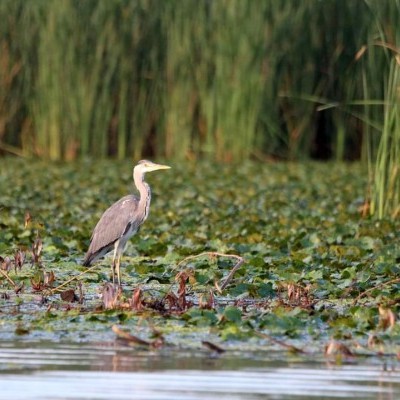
224	80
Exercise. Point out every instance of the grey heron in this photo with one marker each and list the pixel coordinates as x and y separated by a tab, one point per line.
122	220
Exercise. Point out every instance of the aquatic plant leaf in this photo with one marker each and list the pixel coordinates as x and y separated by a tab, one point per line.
314	268
232	314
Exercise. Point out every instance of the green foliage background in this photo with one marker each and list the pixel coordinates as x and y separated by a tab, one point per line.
223	80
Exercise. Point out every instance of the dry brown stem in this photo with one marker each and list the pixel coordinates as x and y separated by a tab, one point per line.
239	263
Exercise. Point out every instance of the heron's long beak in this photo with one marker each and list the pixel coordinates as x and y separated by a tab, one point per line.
156	167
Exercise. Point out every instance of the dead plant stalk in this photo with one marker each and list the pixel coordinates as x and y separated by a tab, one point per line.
239	263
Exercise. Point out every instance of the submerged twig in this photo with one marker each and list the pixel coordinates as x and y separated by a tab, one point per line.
240	261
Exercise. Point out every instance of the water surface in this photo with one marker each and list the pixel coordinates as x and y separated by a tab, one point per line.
41	370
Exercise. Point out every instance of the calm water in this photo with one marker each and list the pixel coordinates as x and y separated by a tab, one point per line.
110	371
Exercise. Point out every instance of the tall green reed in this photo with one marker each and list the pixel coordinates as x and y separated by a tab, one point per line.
385	192
381	80
214	79
225	80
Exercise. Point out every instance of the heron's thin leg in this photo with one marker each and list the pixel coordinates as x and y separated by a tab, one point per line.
113	270
118	273
115	262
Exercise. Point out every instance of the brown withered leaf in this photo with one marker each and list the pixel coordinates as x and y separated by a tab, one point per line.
209	303
37	250
49	279
69	296
136	302
387	318
5	263
337	348
28	219
37	283
111	295
19	259
172	300
297	294
182	278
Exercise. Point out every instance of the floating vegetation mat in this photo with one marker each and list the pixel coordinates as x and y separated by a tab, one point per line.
273	255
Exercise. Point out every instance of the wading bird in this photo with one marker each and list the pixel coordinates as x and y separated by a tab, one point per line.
122	220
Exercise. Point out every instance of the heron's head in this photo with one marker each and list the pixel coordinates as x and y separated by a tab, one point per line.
144	166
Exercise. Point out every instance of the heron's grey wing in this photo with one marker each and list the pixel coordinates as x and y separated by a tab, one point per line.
111	226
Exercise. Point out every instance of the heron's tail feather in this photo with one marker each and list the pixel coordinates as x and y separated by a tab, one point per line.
93	256
88	260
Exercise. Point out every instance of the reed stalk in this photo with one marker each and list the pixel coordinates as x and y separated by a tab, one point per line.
224	80
386	180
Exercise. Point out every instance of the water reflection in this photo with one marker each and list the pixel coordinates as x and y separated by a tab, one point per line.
105	371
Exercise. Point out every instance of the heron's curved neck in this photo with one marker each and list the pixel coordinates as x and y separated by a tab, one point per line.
144	190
